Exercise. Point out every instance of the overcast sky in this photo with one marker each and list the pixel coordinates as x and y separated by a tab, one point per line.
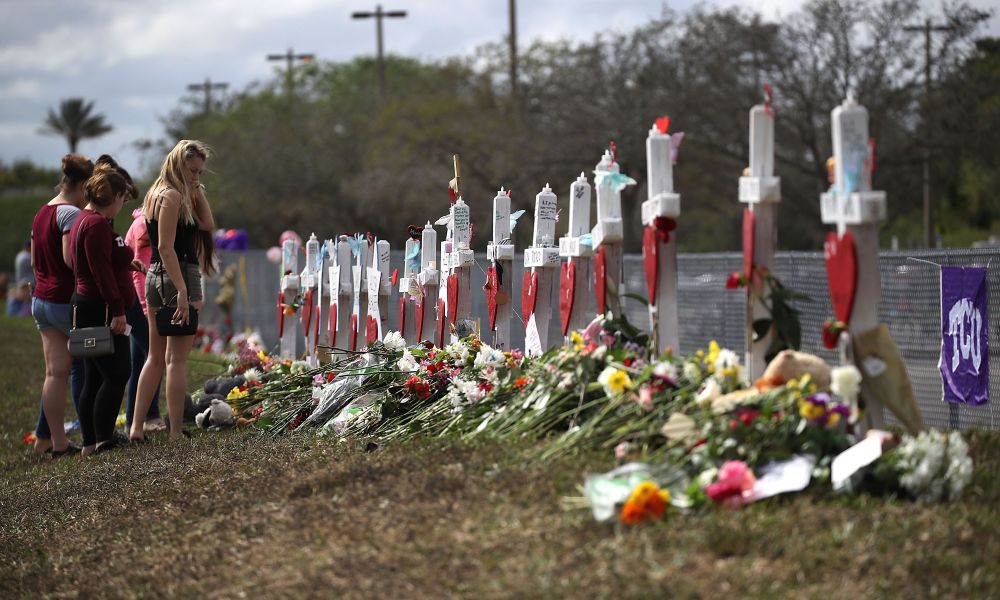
136	57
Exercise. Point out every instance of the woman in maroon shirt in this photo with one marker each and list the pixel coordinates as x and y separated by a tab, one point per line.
50	302
103	293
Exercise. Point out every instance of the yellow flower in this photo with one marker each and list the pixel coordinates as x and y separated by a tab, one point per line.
261	356
619	382
236	393
577	340
832	419
811	411
713	353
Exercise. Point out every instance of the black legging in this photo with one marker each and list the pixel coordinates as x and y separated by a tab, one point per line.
104	381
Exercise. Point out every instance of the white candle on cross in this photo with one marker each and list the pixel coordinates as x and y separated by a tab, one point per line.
607	236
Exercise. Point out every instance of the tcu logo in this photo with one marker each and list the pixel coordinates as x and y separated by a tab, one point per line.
965	326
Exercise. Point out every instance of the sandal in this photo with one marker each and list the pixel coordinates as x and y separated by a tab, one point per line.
70	449
154	427
109	445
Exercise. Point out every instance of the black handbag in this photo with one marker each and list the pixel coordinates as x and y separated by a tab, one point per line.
89	342
165	324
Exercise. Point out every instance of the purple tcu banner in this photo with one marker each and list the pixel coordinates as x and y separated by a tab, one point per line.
965	353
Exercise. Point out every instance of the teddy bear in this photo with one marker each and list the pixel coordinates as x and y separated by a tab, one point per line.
216	416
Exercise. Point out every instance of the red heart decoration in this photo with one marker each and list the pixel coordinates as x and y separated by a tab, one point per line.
529	293
354	333
567	292
492	284
441	322
333	323
841	273
371	334
663	124
307	311
600	279
452	298
749	231
650	260
418	311
395	277
402	313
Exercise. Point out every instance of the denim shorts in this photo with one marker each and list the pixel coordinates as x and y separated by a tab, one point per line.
161	291
50	314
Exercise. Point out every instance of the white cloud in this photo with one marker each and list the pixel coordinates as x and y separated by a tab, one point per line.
21	88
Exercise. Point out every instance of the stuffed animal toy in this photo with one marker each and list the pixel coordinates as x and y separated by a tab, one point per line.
216	416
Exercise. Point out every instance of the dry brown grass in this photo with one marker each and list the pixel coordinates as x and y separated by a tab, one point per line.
237	514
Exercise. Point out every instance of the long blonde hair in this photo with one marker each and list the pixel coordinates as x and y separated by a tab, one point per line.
172	176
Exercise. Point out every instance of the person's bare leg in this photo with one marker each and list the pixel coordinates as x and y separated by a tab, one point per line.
57	365
178	349
149	378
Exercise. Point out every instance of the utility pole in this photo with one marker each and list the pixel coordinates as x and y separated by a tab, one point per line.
927	28
207	87
378	15
512	4
290	57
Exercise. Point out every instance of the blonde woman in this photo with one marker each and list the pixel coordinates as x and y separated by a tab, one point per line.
179	222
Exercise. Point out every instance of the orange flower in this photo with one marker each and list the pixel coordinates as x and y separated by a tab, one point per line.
646	502
521	382
29	438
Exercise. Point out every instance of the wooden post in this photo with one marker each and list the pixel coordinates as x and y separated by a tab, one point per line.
760	191
855	209
288	292
659	245
341	277
500	275
543	259
576	298
607	236
379	287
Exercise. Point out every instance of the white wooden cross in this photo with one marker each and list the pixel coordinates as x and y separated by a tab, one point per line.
543	260
359	311
662	207
460	261
760	190
500	252
309	281
854	207
288	291
578	251
341	278
428	280
379	288
607	235
409	294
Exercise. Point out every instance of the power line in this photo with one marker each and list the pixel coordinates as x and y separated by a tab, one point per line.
927	28
207	87
378	15
512	11
290	57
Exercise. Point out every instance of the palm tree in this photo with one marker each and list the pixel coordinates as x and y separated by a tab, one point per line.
75	122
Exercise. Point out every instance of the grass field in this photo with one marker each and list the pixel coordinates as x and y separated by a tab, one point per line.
236	514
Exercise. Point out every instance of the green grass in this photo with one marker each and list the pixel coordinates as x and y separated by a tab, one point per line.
233	513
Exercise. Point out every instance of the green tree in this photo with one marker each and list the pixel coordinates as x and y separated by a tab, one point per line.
75	121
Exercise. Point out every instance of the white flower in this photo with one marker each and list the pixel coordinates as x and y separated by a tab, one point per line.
299	366
710	390
464	391
565	382
407	363
934	466
707	477
255	341
599	352
489	357
458	350
394	341
727	366
691	372
665	370
845	381
252	375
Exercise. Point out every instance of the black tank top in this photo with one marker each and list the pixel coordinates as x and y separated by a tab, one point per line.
184	240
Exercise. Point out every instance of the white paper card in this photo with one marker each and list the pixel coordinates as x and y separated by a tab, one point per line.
859	455
781	477
532	342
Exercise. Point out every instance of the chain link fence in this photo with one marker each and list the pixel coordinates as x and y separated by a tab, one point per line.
910	307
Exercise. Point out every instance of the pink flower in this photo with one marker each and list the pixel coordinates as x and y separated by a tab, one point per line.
645	399
622	450
591	333
734	486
